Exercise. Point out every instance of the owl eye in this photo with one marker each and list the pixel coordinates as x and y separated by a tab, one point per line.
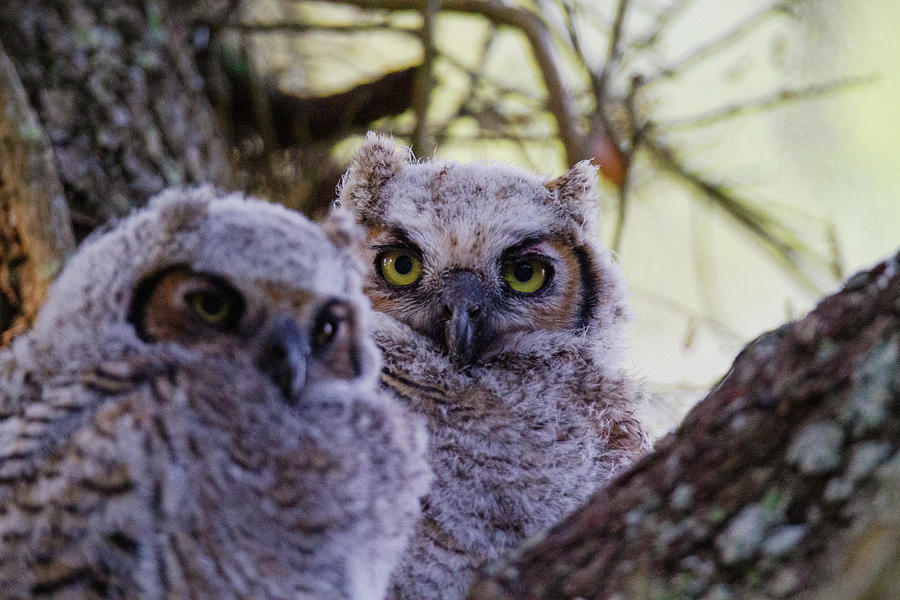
328	324
526	276
215	307
399	267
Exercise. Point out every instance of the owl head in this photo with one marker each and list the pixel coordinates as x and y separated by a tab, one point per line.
198	273
481	256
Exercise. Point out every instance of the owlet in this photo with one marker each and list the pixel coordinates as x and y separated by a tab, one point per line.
196	414
501	322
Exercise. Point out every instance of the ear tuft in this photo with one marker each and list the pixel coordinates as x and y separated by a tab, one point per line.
374	164
575	193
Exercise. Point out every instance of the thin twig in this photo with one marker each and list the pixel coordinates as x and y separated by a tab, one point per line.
478	75
662	22
613	54
569	18
294	27
637	134
615	39
718	326
703	258
737	33
621	214
761	104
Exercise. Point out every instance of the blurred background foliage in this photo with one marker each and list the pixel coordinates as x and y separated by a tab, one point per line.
747	149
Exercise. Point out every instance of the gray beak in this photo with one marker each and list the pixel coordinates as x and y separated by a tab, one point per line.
283	357
463	304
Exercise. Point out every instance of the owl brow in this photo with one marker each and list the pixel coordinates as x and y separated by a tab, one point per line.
396	237
527	242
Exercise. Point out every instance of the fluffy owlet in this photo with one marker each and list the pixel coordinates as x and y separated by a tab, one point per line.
501	324
196	414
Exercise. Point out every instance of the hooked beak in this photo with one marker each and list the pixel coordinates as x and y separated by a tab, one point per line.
463	304
283	357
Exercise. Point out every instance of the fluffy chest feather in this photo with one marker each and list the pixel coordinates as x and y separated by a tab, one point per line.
513	450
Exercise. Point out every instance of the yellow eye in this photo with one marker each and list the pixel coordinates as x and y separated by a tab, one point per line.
399	267
526	276
213	307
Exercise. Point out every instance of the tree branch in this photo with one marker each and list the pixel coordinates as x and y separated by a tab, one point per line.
297	120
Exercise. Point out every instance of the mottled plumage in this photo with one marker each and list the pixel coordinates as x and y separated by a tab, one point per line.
195	414
501	324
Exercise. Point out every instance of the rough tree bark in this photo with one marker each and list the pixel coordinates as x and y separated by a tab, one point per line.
118	92
35	231
783	483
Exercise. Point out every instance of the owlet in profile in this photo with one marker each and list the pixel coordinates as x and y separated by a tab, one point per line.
501	322
196	414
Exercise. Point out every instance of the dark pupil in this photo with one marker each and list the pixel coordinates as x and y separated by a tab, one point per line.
523	271
403	264
212	304
326	331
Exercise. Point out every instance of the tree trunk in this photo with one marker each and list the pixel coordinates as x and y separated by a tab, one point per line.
35	231
784	482
117	90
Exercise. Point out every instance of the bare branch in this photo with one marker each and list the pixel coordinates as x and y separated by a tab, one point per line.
637	134
296	120
474	77
597	86
559	101
615	37
600	83
421	142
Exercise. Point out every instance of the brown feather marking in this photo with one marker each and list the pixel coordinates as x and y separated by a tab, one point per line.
561	314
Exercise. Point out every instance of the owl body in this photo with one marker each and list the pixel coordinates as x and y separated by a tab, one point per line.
501	323
196	415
